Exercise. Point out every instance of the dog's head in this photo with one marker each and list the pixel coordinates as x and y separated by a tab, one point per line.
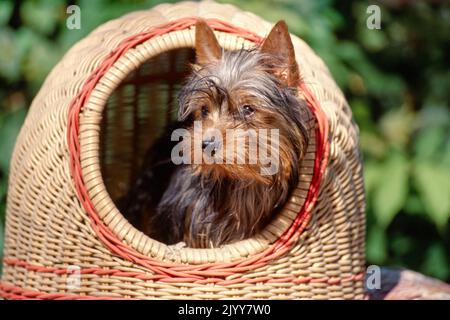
242	109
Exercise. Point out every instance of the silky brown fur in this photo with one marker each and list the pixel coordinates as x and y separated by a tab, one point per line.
207	205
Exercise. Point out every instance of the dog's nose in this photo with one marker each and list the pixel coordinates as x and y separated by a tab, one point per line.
207	142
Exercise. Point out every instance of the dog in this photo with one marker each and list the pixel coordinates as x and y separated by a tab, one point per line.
233	97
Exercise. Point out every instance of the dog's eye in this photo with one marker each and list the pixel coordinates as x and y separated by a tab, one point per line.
205	111
248	110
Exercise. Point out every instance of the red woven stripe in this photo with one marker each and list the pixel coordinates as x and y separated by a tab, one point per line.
191	272
11	292
17	293
145	276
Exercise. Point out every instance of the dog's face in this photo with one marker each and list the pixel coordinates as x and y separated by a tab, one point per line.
241	109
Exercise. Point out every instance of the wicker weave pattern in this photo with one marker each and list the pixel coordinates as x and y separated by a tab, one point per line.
49	229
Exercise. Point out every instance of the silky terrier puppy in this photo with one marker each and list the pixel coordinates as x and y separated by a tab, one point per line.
228	165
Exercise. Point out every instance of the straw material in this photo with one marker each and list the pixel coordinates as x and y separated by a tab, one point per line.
86	135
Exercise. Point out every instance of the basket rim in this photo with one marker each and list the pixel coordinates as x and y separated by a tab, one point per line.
117	243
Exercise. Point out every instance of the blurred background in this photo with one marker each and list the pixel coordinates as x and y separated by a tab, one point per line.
396	79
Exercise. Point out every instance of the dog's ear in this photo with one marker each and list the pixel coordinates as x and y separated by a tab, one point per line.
279	44
207	48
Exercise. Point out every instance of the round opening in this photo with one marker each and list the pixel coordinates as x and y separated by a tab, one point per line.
126	112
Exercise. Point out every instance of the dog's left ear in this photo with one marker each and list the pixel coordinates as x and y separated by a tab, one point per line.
279	44
207	48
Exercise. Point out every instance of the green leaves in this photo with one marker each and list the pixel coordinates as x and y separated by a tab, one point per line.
41	15
10	57
42	57
390	193
25	53
436	263
431	170
376	249
6	8
433	184
9	129
429	142
397	125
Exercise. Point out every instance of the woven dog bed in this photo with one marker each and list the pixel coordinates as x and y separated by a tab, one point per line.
86	133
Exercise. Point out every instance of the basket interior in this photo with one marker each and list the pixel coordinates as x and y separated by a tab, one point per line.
136	114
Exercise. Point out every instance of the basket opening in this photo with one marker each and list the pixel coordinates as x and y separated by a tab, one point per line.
124	114
135	116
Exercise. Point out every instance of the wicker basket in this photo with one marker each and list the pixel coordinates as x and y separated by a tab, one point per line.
88	129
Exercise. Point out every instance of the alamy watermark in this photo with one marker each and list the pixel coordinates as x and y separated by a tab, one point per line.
374	19
73	21
73	281
373	278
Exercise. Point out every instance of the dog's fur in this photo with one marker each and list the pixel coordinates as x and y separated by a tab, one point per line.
208	205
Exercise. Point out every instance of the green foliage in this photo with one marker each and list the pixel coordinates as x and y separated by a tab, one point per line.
6	8
396	79
9	129
391	189
41	16
433	184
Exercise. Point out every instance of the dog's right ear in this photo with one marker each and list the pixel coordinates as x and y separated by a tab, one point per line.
207	48
278	43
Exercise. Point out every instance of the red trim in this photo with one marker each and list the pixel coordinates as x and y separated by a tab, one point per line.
8	291
11	292
167	279
209	272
